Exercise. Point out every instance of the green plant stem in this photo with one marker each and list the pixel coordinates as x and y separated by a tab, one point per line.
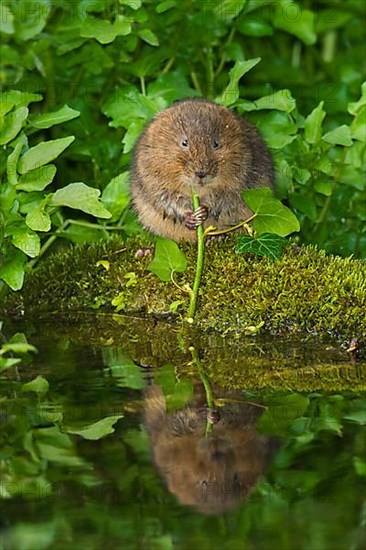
199	264
206	384
142	84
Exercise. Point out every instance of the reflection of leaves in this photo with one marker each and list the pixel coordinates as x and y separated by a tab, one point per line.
281	413
39	385
97	430
268	245
168	258
176	392
272	215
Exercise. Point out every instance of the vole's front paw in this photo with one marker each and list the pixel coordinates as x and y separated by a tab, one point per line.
193	219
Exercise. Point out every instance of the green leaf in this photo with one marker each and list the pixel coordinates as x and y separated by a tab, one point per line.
165	6
31	18
12	162
81	197
12	271
148	36
227	10
267	244
26	240
167	259
8	363
133	132
6	19
290	17
339	136
116	195
19	347
278	129
359	417
360	466
103	30
38	219
281	101
231	93
97	430
313	124
272	215
19	98
43	153
39	385
56	117
38	179
13	123
355	107
324	188
252	27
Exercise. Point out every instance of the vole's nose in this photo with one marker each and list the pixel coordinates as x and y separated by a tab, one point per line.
201	174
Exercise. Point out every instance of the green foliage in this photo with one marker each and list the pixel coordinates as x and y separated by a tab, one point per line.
68	68
168	259
29	210
271	215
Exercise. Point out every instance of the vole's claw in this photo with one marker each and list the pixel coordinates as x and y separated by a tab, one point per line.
193	219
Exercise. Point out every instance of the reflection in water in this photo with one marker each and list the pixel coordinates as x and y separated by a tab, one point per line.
211	471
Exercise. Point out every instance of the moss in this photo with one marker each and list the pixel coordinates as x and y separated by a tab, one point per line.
305	290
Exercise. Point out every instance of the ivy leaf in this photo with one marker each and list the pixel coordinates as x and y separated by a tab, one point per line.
231	92
272	215
168	258
313	124
97	430
43	153
267	244
56	117
81	197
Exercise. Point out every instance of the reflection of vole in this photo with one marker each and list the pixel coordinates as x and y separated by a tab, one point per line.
214	472
200	146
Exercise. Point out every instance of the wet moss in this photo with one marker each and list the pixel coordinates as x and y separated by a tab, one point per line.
305	290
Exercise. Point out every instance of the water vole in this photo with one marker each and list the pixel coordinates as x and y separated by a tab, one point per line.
196	144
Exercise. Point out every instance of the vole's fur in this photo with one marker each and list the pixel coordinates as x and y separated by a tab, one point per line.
200	146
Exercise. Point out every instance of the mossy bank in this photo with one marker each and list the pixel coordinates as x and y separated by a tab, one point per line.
305	290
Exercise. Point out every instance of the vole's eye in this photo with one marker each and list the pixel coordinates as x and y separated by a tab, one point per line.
184	143
215	144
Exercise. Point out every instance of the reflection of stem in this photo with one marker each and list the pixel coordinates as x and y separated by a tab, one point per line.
206	383
199	264
210	233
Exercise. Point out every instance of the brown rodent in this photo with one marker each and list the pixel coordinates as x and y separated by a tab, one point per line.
201	146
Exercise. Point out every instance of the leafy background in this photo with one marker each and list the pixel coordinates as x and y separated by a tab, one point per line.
99	70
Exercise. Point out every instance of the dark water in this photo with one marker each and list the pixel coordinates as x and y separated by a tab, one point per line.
108	440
